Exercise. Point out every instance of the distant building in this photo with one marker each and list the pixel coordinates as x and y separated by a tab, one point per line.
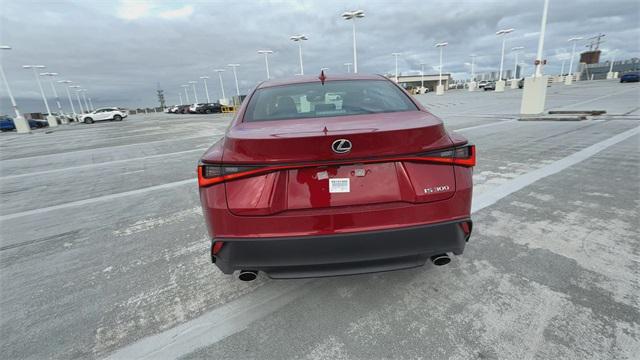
430	81
590	57
599	71
493	76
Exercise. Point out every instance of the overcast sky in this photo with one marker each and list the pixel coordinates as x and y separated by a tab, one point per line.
121	50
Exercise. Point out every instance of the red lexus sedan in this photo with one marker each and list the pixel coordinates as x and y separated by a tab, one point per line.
323	176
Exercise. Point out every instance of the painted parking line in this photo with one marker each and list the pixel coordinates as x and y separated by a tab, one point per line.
109	148
490	197
485	125
98	199
595	99
101	164
216	325
237	315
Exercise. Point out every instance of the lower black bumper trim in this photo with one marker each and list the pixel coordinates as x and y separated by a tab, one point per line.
342	254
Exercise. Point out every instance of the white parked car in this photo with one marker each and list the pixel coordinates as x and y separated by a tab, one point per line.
110	113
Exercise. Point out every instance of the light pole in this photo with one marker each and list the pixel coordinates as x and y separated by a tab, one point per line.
195	94
299	39
206	89
534	95
180	94
266	59
51	75
76	88
50	118
73	109
440	88
348	65
472	83
543	27
500	82
514	81
220	71
235	77
91	103
422	77
84	97
396	56
186	94
21	124
353	15
562	68
569	79
611	74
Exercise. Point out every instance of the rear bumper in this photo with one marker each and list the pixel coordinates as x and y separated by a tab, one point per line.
343	254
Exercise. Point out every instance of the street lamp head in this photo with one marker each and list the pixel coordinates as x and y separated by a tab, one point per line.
5	47
204	77
193	82
219	70
75	86
33	66
517	48
348	15
504	31
265	51
64	81
298	37
233	65
442	44
48	74
396	54
575	38
184	85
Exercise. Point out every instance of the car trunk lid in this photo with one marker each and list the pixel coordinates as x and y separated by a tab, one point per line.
311	175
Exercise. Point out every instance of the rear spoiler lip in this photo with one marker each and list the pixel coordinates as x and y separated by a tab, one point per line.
457	140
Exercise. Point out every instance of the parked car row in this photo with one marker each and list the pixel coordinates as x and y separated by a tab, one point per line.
491	85
7	124
204	108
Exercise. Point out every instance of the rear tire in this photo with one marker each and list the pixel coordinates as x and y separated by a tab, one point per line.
117	118
88	120
208	111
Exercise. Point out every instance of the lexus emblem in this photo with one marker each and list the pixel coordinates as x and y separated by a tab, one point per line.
341	146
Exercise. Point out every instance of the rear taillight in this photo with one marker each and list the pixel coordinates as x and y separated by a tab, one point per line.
215	249
211	174
462	156
217	246
466	227
215	174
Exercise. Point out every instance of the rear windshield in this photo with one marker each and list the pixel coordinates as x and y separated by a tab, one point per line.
334	98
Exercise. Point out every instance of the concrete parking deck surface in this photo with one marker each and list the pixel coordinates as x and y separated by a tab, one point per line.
104	253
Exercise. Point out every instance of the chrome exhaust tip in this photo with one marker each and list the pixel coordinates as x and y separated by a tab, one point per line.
441	259
247	275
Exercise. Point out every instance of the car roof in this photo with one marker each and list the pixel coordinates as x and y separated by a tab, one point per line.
314	78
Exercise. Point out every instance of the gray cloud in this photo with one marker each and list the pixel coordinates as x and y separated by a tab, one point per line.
121	60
